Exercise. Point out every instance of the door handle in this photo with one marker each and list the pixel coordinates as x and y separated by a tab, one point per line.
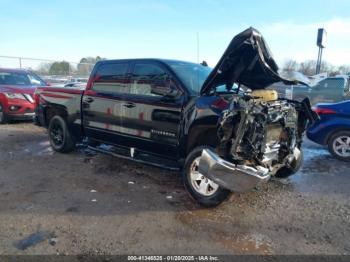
129	105
88	100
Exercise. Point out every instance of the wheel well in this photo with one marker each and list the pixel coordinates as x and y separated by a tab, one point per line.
53	111
328	137
197	137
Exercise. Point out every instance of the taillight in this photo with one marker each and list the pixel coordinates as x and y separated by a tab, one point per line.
220	104
324	111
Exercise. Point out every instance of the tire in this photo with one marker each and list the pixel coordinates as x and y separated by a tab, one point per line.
60	138
294	167
3	116
340	140
214	195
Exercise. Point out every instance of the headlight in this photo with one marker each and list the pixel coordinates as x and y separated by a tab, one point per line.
15	96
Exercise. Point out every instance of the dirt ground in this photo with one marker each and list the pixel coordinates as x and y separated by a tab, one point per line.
53	203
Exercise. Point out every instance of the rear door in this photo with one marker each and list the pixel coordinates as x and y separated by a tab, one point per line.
102	101
152	120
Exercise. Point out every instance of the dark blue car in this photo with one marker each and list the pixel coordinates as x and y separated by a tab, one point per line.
333	129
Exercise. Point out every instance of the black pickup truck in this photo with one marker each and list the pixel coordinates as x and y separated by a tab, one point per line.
186	116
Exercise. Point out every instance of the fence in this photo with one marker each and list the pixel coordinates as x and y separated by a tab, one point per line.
56	71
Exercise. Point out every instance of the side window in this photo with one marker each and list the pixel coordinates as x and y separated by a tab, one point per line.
111	78
322	84
14	79
149	80
35	80
334	83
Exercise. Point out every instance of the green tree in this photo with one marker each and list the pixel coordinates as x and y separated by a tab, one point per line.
86	64
60	68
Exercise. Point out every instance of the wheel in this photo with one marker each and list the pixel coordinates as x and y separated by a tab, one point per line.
339	145
60	138
293	168
3	116
201	189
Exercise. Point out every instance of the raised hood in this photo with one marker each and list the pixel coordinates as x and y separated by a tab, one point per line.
246	61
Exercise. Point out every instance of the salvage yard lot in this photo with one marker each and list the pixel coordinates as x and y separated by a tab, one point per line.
95	204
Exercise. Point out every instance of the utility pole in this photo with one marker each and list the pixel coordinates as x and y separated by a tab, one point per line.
321	43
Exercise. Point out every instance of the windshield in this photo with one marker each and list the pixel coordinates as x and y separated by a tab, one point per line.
22	79
192	75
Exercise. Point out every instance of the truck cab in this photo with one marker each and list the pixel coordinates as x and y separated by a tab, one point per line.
136	103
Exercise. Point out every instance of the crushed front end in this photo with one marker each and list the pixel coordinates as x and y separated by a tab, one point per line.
260	134
257	138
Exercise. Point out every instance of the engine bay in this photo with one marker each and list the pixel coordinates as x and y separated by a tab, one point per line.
261	131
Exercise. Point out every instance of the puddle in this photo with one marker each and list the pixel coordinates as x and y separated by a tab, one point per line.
42	148
318	168
32	240
246	244
232	239
311	152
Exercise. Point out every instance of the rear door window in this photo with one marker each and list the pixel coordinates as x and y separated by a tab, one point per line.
332	83
112	78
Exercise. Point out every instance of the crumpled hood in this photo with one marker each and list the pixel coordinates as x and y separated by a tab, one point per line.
246	61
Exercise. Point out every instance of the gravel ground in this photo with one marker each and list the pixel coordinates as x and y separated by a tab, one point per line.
53	203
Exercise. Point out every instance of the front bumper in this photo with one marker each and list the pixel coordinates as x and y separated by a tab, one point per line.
237	178
25	116
18	109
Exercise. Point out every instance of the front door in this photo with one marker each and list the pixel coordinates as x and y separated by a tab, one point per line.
152	120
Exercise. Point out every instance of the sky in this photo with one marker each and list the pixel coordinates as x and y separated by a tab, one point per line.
70	30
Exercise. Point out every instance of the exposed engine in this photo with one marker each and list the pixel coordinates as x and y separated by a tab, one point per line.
260	132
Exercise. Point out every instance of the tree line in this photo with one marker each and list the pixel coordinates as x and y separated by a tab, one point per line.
308	68
86	64
84	67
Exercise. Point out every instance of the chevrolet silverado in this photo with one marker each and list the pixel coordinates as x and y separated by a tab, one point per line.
218	126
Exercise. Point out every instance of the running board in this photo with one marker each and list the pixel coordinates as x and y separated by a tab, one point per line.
138	157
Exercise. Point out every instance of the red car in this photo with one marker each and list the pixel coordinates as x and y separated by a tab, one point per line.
17	88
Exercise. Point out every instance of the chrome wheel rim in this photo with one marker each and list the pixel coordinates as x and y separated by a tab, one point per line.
341	146
200	183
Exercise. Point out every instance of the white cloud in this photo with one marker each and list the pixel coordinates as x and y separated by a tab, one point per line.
287	40
298	41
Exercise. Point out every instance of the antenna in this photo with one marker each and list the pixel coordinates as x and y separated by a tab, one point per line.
197	47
